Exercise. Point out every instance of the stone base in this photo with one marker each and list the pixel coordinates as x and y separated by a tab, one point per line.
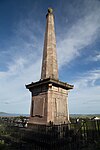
49	102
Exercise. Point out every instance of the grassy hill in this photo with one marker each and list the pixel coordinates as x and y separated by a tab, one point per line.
84	115
3	113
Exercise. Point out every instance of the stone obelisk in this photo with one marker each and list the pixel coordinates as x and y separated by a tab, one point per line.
49	63
49	95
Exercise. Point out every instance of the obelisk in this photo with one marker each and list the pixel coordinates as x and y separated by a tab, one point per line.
49	63
49	95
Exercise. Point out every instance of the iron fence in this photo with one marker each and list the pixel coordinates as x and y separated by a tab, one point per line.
73	136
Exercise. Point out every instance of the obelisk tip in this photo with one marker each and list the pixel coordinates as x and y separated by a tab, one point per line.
50	10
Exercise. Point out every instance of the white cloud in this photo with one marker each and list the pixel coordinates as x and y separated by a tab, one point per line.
85	100
83	33
12	85
94	58
25	66
88	79
85	97
97	58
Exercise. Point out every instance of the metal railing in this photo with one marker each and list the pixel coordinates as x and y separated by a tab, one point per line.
73	136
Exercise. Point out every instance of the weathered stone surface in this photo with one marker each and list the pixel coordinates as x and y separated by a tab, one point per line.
49	63
49	95
49	101
57	105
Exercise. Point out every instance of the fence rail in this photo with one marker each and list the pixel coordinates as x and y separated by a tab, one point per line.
74	136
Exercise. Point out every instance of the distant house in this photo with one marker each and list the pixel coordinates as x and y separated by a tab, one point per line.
95	118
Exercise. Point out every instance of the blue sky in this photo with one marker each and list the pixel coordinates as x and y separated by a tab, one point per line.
22	27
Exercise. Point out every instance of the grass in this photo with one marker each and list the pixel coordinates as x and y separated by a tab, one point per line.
83	135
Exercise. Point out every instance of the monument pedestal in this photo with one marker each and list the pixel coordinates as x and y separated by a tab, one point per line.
49	102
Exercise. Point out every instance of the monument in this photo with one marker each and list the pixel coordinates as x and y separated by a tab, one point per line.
49	102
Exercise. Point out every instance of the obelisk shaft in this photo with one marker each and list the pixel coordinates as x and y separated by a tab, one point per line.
49	62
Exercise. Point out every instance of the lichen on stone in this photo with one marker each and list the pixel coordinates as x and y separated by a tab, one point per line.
50	10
